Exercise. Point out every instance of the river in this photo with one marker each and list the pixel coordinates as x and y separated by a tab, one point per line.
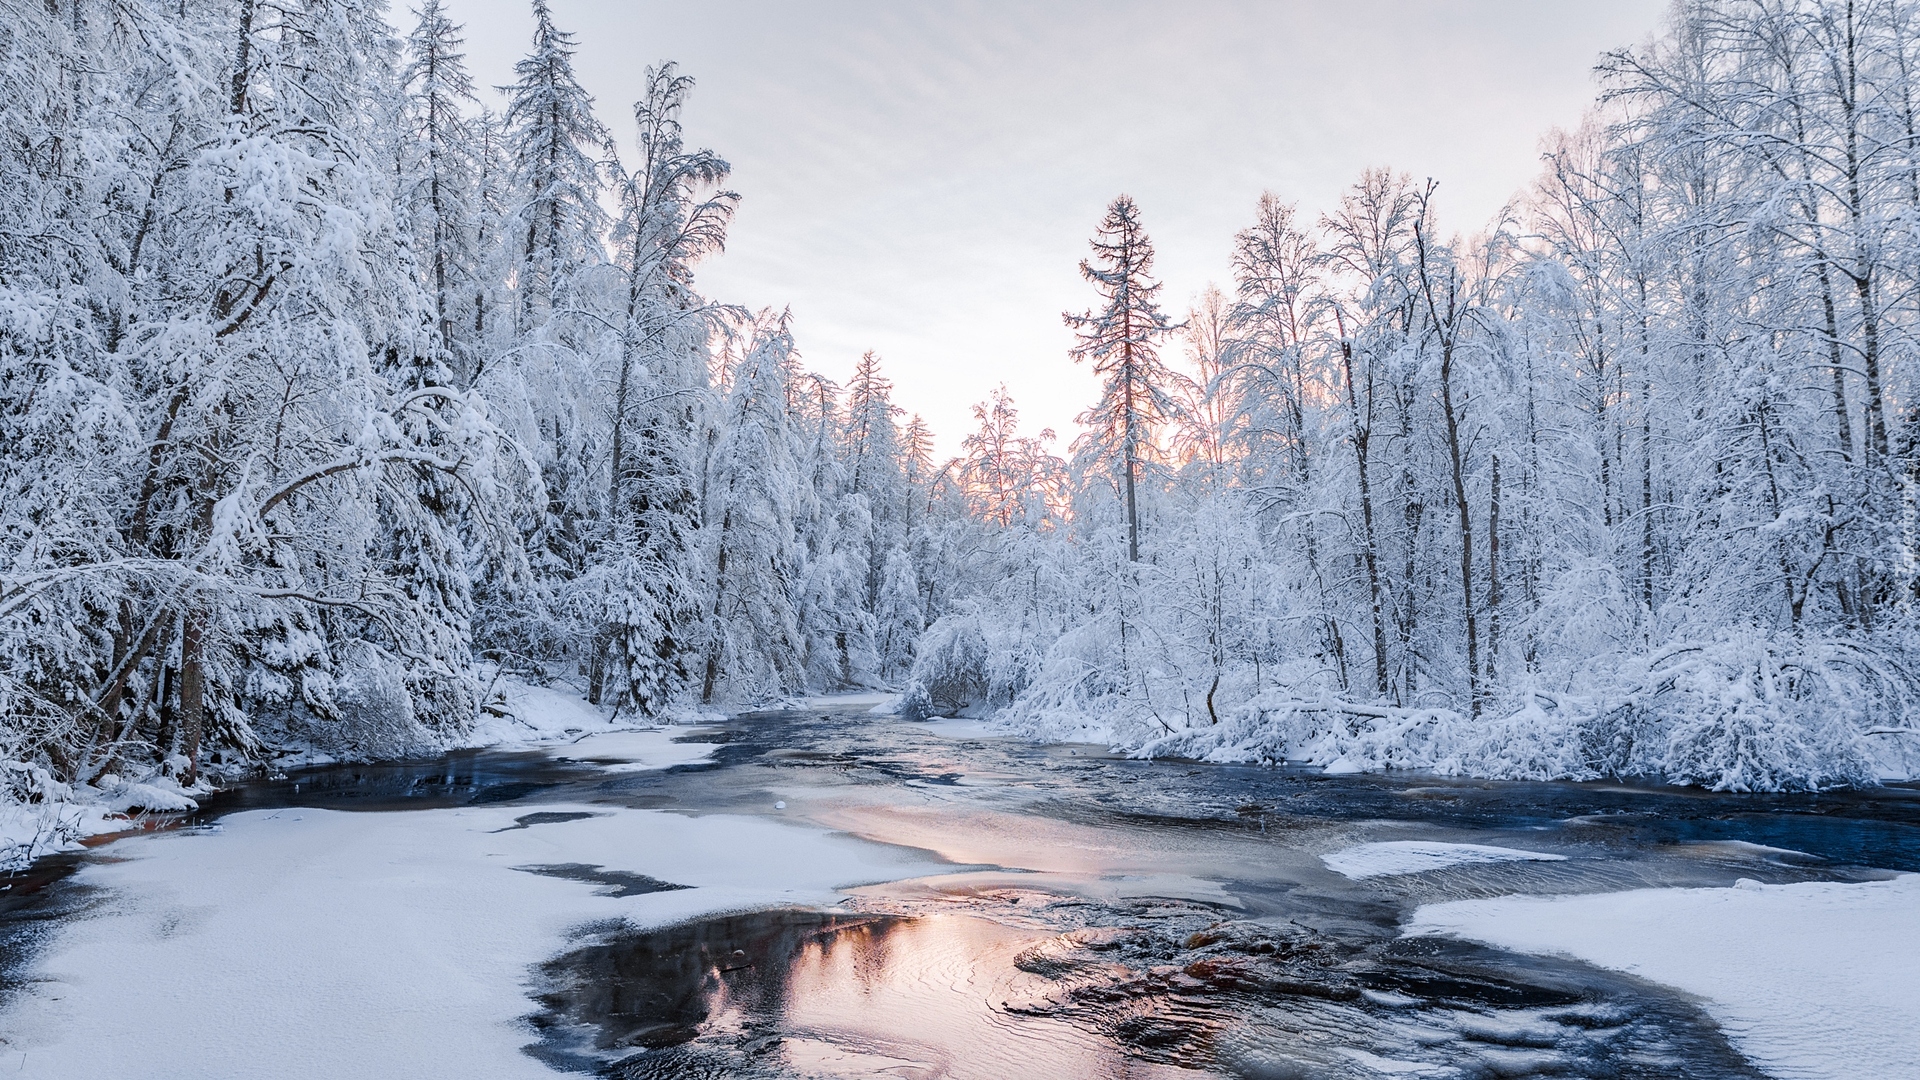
1092	915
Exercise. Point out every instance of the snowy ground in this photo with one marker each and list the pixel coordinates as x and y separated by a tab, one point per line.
28	831
635	751
1816	980
543	715
874	701
72	814
312	943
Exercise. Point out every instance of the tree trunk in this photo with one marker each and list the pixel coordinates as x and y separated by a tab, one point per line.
1457	470
1493	575
193	690
1370	550
237	100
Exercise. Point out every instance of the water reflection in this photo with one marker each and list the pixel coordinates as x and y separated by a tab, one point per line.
1151	989
790	992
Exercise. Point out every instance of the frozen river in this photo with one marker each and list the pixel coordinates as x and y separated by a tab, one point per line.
827	893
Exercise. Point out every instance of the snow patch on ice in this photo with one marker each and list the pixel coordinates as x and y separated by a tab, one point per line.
1814	980
638	751
1419	856
862	700
956	727
403	939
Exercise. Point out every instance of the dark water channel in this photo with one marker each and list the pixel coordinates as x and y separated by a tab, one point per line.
1106	917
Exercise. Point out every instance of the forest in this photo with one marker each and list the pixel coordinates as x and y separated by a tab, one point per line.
330	398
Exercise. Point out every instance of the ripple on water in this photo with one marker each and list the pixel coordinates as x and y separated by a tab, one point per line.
1146	989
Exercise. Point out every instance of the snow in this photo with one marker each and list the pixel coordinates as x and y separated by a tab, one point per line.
1811	981
1419	856
636	751
959	727
30	830
159	794
309	943
550	718
871	701
528	715
68	814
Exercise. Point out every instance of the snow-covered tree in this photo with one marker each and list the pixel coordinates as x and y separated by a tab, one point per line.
1121	340
558	148
755	650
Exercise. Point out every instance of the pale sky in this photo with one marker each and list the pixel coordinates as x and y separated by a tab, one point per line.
921	179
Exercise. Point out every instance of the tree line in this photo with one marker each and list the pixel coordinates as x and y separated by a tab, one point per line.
1625	484
328	397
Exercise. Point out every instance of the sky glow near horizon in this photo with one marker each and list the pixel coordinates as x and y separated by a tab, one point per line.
922	180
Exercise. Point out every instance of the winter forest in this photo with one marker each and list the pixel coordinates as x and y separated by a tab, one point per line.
328	398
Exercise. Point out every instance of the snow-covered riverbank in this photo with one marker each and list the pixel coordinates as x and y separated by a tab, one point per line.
64	817
1816	980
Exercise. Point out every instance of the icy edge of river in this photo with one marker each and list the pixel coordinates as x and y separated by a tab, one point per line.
67	816
308	943
1813	980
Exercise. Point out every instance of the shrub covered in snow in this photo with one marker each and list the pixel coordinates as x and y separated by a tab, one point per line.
1744	712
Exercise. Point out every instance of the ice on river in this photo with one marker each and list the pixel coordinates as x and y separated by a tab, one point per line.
313	943
1814	980
960	727
1419	856
636	751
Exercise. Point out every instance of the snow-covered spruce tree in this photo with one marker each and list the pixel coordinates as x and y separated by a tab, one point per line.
544	359
836	630
558	148
440	183
875	471
1121	340
899	617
